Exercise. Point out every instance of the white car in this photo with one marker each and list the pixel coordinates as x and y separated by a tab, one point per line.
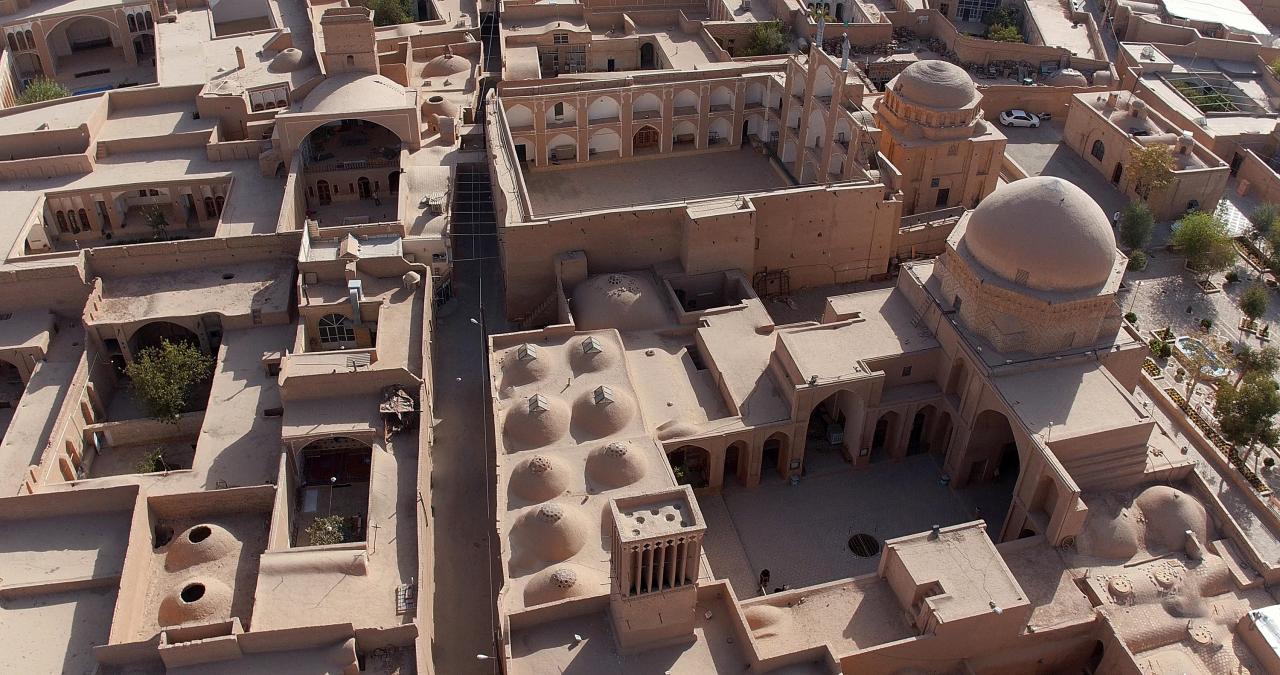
1019	118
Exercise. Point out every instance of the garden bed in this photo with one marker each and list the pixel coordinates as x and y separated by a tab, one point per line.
1223	446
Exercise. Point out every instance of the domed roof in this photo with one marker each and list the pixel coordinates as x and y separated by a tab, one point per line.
591	355
199	544
525	364
935	83
1109	534
766	620
621	301
539	478
603	411
676	428
1068	77
536	421
445	65
348	93
551	532
1043	233
288	60
615	465
562	582
196	599
1168	513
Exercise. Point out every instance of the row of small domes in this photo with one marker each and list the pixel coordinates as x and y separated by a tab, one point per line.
544	419
544	477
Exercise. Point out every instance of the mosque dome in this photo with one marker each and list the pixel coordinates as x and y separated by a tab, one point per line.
1043	233
562	582
621	301
603	411
198	544
551	532
539	478
288	60
615	465
1067	77
935	83
196	599
536	421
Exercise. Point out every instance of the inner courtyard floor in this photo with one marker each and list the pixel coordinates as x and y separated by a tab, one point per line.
801	532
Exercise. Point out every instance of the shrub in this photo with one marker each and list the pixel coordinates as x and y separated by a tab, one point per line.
767	37
1136	224
1137	261
152	462
1268	462
1233	276
42	89
1131	317
1004	33
327	531
1254	300
1206	324
1160	348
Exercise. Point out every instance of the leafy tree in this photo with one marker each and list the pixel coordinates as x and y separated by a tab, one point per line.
156	220
1262	362
767	37
163	378
152	462
390	12
1007	15
1254	300
1263	220
1204	240
1004	33
1151	168
42	89
1136	223
328	530
1245	414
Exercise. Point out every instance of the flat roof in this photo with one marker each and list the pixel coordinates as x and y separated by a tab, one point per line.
1230	13
1073	398
263	285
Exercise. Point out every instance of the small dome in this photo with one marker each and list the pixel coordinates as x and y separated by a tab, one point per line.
525	364
560	583
196	599
615	465
437	106
1067	77
603	411
1109	534
536	421
539	478
592	355
1168	514
620	301
936	84
676	428
199	544
766	620
288	60
445	65
1043	233
551	532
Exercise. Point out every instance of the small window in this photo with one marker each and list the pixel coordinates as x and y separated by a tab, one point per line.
559	38
934	183
1098	150
953	149
559	110
142	193
1022	277
906	371
351	60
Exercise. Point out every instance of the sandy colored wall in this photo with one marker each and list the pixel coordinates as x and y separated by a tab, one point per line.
170	256
1262	181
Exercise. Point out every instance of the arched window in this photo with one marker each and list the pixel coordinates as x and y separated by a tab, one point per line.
219	201
31	39
1098	150
84	219
13	42
210	211
133	23
62	221
336	331
351	60
150	22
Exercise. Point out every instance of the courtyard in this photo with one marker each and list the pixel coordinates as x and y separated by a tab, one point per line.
591	187
801	532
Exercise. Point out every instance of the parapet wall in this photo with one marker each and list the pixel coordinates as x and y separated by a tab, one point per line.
171	256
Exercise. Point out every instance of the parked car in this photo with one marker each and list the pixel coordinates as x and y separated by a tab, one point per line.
1019	118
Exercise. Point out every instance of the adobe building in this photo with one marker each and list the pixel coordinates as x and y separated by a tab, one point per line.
87	48
935	134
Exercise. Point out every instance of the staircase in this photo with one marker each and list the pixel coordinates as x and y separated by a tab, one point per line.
1110	470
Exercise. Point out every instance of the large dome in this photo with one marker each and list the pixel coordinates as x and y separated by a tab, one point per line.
621	301
1043	233
937	84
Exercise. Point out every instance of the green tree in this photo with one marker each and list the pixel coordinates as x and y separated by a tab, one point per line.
1151	168
1136	224
1204	240
1263	220
1254	300
1245	413
327	530
163	378
390	12
42	89
767	37
1249	361
1004	33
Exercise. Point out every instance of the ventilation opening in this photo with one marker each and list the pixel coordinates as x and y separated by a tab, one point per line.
192	592
228	276
696	357
864	545
199	534
163	535
436	99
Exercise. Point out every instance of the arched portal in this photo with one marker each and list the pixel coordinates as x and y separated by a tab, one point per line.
941	437
604	144
884	437
990	466
648	56
735	461
345	162
775	457
690	464
958	379
920	438
153	334
646	140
